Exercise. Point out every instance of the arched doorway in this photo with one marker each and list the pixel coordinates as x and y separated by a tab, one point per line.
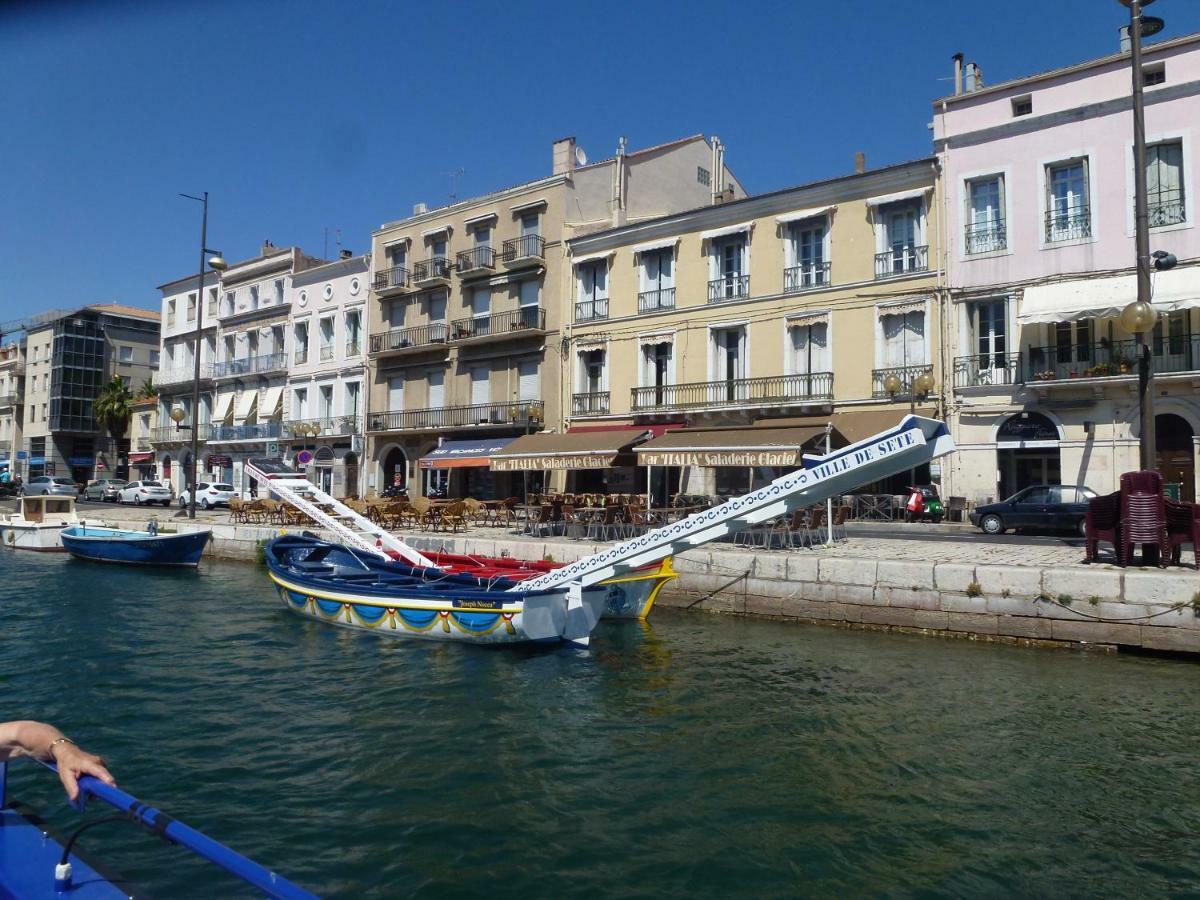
351	463
395	469
1176	454
1027	452
324	464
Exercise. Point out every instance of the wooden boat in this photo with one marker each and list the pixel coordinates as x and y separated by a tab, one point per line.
352	588
134	548
37	522
36	862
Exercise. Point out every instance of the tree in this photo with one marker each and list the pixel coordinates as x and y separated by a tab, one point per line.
148	389
111	408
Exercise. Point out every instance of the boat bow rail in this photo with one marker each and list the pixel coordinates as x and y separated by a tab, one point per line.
914	441
354	529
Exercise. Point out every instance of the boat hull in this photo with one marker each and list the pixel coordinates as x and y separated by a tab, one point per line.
134	548
42	538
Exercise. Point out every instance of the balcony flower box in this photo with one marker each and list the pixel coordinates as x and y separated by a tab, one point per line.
1048	375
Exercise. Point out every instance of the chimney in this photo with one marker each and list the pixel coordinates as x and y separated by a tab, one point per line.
860	162
718	171
267	247
618	184
974	78
1126	40
958	73
419	209
345	253
564	156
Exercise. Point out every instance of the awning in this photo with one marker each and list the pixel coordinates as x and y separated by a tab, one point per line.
727	230
659	337
728	446
441	229
592	257
801	214
1088	298
463	454
811	317
662	244
545	452
480	219
272	402
903	308
224	401
141	457
532	204
898	196
245	405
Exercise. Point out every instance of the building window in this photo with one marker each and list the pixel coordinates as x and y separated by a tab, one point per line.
254	296
154	358
902	236
326	330
1164	183
1154	74
396	393
483	236
191	308
903	339
300	404
353	332
703	176
125	354
397	255
230	302
211	310
170	322
481	308
809	266
527	381
985	229
1073	341
436	382
810	347
300	339
530	300
278	291
592	291
437	308
989	334
658	369
481	385
127	381
1068	209
353	397
729	268
531	224
657	280
728	364
1022	106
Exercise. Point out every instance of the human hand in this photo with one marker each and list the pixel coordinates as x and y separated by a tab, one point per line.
74	762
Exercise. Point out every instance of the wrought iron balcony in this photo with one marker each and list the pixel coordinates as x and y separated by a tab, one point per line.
394	279
985	237
1070	223
518	412
399	339
184	374
1106	359
901	261
590	404
170	434
326	352
7	400
526	248
330	426
353	348
591	310
256	432
728	287
477	259
434	270
805	277
250	365
516	322
653	301
773	390
1166	208
906	374
988	370
301	357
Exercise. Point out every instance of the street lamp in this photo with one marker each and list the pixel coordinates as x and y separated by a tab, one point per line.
218	265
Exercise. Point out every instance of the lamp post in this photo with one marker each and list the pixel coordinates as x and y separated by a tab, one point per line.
218	265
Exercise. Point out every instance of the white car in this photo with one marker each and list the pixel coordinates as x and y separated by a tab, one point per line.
142	492
208	495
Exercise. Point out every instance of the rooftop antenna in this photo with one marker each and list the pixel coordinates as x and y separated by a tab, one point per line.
337	239
454	176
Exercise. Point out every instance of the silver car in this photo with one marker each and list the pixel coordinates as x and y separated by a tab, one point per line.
143	492
47	484
107	489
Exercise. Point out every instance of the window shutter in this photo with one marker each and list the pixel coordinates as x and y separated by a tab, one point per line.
528	380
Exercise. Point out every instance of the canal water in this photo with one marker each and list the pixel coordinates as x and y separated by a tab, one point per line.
702	756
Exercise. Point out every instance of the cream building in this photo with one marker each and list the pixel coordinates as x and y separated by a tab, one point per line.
773	314
465	319
12	394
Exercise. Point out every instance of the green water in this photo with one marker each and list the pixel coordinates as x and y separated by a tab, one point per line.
704	756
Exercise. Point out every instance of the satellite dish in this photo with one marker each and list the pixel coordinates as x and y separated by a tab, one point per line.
580	157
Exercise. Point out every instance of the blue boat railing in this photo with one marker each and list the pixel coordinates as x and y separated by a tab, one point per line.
159	823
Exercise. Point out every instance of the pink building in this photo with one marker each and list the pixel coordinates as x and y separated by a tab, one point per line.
1039	193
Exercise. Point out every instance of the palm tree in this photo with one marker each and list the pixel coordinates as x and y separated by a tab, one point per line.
111	408
148	389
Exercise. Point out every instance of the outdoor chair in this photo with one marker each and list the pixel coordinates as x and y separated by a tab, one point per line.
453	517
1183	527
569	525
1143	515
605	528
815	532
839	522
237	511
1102	522
544	523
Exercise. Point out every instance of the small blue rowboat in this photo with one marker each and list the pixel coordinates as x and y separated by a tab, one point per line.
135	548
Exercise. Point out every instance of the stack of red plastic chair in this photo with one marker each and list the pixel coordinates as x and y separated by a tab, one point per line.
1183	527
1103	523
1143	515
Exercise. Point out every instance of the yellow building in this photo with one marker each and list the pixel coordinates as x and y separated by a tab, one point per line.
794	308
465	325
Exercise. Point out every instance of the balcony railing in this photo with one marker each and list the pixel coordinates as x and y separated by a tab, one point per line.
1166	208
988	369
301	357
653	301
774	390
144	444
436	268
1105	358
590	404
906	374
901	261
590	310
251	365
353	348
5	447
728	287
405	338
332	426
805	277
7	400
517	412
1069	224
326	352
476	259
527	246
516	321
389	279
985	237
256	432
169	434
181	374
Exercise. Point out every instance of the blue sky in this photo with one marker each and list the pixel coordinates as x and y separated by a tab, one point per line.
300	116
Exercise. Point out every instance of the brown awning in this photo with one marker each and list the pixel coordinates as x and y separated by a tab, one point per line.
729	446
544	452
851	426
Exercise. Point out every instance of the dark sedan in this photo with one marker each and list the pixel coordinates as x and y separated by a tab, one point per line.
1050	506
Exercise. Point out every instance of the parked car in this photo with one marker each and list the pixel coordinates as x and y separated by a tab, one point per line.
1050	506
107	489
139	492
208	495
47	484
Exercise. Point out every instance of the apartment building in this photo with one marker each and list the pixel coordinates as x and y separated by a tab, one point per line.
325	398
1039	196
143	424
466	314
733	333
12	396
70	359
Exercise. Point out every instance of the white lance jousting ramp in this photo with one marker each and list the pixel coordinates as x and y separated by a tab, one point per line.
915	440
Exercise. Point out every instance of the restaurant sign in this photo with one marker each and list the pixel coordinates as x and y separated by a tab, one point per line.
552	462
740	458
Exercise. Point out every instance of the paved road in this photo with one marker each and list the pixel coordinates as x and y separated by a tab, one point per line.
966	535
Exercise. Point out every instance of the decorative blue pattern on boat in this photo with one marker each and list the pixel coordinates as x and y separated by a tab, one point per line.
369	614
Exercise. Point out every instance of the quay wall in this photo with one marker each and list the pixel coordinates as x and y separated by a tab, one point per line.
1099	605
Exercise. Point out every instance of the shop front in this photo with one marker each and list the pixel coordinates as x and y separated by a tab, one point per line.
141	466
462	469
594	461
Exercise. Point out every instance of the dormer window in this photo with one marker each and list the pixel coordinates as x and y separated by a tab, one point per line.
1022	106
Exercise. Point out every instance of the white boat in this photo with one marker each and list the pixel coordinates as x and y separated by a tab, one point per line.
37	522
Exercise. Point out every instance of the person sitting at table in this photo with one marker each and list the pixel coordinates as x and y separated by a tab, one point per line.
45	742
